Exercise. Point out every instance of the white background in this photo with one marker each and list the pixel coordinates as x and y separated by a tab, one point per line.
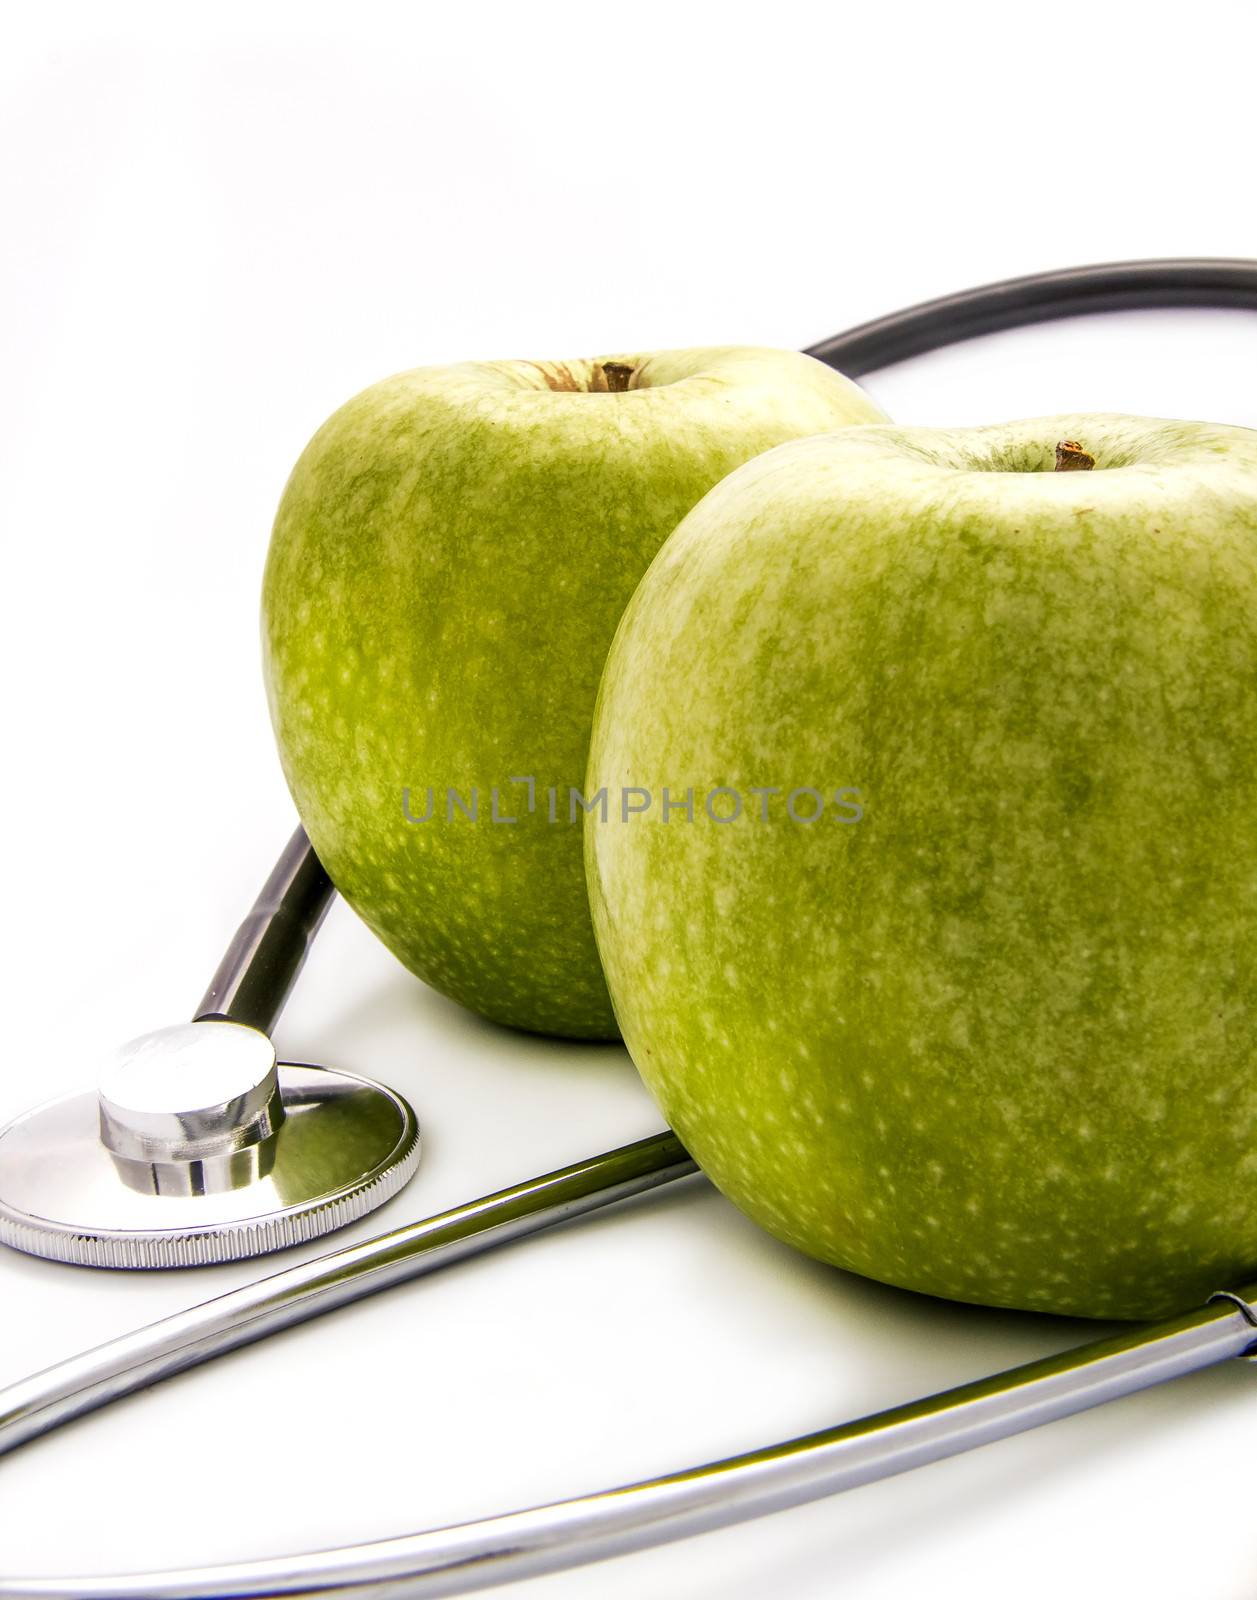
218	223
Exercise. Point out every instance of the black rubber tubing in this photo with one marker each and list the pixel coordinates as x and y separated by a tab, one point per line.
1182	283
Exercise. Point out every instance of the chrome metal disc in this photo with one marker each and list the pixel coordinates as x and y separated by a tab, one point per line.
336	1147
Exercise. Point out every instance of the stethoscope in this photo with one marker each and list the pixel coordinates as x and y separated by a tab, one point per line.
198	1146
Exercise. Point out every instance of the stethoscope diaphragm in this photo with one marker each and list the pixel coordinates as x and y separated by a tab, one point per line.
183	1161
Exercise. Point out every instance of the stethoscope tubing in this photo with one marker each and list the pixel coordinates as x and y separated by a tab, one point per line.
243	1316
636	1516
251	985
1177	283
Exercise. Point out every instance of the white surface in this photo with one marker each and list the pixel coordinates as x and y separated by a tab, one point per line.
217	229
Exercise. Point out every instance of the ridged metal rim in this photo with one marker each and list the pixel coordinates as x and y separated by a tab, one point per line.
220	1242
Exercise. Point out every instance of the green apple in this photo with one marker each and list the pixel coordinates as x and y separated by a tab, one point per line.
449	562
960	990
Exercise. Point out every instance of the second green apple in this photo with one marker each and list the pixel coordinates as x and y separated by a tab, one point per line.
952	977
450	559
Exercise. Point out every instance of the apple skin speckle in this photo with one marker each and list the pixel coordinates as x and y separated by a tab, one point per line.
997	1041
449	562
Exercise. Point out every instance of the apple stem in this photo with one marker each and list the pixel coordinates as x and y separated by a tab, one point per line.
617	374
1071	457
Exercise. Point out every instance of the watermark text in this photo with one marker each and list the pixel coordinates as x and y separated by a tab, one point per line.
555	805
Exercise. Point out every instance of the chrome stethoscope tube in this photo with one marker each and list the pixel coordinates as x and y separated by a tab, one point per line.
252	984
568	1533
38	1404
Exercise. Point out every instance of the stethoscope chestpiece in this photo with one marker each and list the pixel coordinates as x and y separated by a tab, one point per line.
199	1147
